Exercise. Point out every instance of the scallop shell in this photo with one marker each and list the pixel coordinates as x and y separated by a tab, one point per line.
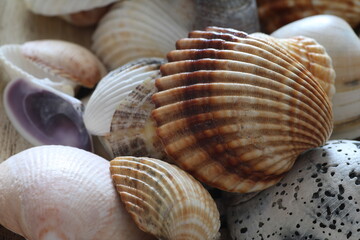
164	200
274	14
345	55
59	64
119	110
58	192
235	111
318	199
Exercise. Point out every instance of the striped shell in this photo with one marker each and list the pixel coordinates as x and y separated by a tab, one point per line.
164	200
119	110
235	110
275	13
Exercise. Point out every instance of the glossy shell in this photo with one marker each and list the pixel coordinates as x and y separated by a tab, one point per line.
164	200
57	192
318	199
236	111
120	107
274	14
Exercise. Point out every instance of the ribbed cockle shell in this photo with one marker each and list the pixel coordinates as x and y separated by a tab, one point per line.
164	200
236	110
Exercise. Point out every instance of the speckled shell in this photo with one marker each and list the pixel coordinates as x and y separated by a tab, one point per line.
55	7
275	13
140	29
58	192
164	200
119	110
235	111
318	199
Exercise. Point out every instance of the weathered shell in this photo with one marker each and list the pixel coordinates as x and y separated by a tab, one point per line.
274	14
164	200
235	110
58	192
119	110
345	55
318	199
60	64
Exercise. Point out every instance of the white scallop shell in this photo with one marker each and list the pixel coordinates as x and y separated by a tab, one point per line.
141	28
57	192
56	7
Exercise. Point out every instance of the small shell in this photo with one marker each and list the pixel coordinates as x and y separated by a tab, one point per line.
43	115
235	111
59	64
164	200
275	13
318	199
120	107
140	29
58	192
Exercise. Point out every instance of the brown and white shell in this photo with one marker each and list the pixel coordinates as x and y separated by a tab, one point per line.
164	200
236	110
274	14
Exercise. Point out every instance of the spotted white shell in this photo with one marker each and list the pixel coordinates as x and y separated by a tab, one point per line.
318	199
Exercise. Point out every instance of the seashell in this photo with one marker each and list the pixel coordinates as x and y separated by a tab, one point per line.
164	200
235	110
60	64
274	14
119	110
141	29
345	55
58	192
43	115
318	199
86	18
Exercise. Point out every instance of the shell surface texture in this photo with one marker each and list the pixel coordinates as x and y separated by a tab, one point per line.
345	55
62	193
119	110
274	14
318	199
235	110
164	200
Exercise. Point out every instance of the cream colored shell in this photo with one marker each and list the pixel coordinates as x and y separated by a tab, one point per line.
235	110
164	200
57	192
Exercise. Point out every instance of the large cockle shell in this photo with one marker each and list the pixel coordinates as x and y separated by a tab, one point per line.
164	200
343	46
60	64
274	14
141	28
235	110
119	110
58	192
318	199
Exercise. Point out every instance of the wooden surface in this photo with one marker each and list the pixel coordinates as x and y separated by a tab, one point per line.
17	25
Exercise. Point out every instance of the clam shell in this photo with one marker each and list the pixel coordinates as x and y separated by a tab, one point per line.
318	199
54	7
276	13
119	109
58	192
140	29
236	113
164	200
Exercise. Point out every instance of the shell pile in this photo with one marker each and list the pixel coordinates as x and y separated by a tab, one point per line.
236	110
164	200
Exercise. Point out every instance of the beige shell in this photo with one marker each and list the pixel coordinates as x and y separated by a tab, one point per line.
274	14
86	18
164	200
343	46
119	110
57	192
235	110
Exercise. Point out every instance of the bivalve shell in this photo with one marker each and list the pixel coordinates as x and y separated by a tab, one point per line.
164	200
235	110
